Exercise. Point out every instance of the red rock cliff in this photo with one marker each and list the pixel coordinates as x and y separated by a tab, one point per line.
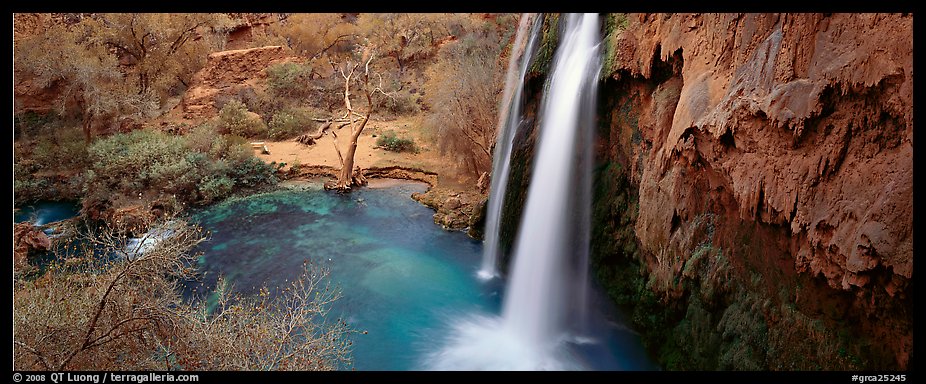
793	135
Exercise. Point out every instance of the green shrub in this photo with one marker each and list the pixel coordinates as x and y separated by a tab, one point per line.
135	156
27	188
215	187
201	137
31	123
289	79
235	150
195	169
290	123
390	142
235	119
63	149
295	166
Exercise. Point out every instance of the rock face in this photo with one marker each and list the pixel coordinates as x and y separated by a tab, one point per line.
227	73
753	189
765	165
453	210
27	239
809	120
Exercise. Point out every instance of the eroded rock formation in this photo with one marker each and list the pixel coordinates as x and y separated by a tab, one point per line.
227	73
780	146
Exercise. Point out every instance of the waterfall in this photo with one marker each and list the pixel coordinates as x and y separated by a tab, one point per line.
553	236
545	298
509	118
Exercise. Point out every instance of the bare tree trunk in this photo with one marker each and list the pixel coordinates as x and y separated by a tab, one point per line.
349	176
88	125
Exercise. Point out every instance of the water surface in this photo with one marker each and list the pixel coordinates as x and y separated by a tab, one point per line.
405	281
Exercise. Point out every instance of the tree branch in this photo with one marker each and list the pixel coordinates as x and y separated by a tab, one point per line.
96	315
183	38
34	352
333	43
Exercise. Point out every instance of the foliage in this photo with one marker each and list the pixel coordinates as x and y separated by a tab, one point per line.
113	65
50	167
401	104
31	123
63	149
390	142
314	34
463	89
235	119
408	37
128	312
289	123
289	79
198	168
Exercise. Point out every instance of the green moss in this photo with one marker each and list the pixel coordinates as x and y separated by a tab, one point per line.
614	25
549	40
518	182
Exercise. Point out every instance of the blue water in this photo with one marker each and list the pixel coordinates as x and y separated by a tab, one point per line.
404	279
45	212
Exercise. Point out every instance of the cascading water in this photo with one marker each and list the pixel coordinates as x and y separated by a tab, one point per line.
553	236
547	286
508	122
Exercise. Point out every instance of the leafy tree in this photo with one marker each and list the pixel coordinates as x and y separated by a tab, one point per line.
116	65
314	34
161	50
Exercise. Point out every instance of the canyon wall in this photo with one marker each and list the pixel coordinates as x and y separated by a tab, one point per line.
765	165
754	187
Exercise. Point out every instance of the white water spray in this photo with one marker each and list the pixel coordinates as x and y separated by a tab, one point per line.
545	302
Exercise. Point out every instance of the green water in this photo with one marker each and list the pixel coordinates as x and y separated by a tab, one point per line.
400	274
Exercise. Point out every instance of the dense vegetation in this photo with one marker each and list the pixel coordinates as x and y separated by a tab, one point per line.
86	312
114	72
198	168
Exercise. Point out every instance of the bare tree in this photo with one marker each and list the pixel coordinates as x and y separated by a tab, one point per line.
361	73
88	312
464	86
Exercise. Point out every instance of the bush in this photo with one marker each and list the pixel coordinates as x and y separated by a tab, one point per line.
31	123
390	142
85	312
235	119
63	149
253	172
401	104
290	123
199	168
462	98
289	80
215	187
136	156
202	137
